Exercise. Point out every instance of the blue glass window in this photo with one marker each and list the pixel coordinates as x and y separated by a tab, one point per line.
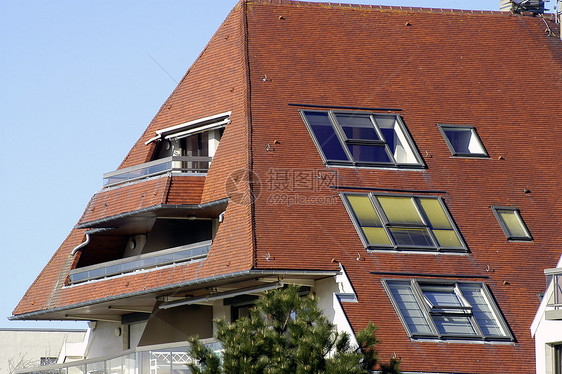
361	139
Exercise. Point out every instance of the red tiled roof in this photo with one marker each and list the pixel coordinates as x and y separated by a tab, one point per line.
216	83
437	66
499	72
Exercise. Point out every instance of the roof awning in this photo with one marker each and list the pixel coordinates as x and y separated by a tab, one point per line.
133	222
192	127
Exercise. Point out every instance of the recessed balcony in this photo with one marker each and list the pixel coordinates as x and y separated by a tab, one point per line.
180	254
198	165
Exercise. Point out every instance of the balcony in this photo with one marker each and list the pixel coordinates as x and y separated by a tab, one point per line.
189	252
160	359
554	294
175	164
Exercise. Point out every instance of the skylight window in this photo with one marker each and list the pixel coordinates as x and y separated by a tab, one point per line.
511	223
403	222
463	141
361	139
447	310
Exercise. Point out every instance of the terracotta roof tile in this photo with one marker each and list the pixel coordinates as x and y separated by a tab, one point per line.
498	72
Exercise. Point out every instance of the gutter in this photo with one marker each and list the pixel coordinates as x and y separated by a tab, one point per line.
214	278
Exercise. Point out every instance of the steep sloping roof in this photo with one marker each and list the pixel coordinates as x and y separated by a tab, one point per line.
499	72
216	83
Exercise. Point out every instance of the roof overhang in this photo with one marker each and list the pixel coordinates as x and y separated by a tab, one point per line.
116	308
138	220
192	127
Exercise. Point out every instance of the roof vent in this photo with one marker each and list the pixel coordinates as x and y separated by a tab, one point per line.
518	6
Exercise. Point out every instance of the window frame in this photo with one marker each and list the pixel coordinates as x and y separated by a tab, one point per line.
442	127
421	300
496	210
345	141
387	225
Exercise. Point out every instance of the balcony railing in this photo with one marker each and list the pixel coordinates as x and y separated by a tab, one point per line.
160	359
175	164
554	278
169	256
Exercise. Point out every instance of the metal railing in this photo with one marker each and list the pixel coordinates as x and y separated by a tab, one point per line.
169	256
160	359
554	278
175	164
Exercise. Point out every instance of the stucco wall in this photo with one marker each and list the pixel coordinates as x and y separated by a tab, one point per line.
20	348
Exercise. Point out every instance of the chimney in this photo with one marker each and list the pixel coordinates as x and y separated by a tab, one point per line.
520	6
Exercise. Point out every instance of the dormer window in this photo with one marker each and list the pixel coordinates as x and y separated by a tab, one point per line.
463	140
186	148
197	140
361	138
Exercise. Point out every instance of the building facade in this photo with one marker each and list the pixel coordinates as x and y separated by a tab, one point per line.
401	164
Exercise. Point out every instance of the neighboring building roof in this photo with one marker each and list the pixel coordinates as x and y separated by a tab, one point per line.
499	72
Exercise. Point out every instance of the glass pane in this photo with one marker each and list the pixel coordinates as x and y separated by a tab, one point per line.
325	136
434	212
409	308
453	325
369	153
396	140
368	219
481	309
399	210
376	236
411	237
180	359
441	296
364	211
357	126
116	366
464	140
438	221
513	224
447	239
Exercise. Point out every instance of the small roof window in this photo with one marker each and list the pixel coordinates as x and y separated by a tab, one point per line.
511	223
361	138
463	140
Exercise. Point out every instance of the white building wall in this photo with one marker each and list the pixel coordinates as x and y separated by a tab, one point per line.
21	348
546	333
326	290
104	340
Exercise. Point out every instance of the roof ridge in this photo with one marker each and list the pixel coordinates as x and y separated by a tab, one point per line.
382	7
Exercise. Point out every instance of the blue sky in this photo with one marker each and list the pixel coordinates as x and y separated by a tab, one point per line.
79	83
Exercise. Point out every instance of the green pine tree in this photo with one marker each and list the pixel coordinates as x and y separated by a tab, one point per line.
285	334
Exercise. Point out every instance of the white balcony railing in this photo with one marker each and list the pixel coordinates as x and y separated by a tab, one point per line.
175	164
554	288
160	359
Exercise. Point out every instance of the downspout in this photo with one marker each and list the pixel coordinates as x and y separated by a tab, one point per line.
81	245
